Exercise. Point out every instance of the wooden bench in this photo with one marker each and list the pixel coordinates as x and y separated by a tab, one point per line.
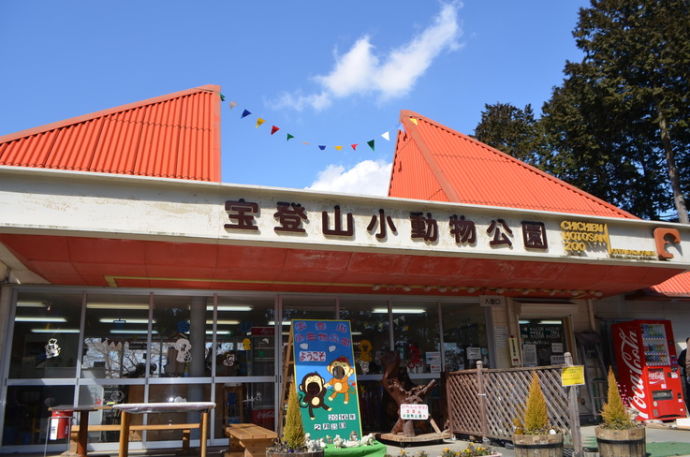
253	438
186	431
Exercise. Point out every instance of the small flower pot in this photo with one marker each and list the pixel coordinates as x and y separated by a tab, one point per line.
630	442
544	445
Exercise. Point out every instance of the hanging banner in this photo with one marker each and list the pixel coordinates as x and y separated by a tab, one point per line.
325	378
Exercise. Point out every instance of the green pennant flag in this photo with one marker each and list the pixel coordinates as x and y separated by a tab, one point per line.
289	137
222	97
371	144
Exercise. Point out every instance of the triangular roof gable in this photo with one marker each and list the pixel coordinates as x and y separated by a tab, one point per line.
172	136
468	171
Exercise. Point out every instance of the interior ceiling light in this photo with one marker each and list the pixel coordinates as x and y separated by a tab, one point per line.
39	319
551	322
399	310
31	304
122	320
284	322
219	332
223	322
117	306
132	332
230	308
54	330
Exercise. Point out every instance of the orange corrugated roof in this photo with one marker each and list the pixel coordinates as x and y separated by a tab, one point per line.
437	163
173	136
676	287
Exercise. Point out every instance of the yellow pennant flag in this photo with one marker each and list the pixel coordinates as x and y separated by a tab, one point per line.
259	121
414	120
338	148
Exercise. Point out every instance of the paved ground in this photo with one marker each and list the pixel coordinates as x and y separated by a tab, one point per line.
654	435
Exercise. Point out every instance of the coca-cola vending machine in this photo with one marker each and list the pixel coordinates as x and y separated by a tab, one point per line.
648	373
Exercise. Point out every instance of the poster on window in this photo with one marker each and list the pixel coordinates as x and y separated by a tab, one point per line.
325	378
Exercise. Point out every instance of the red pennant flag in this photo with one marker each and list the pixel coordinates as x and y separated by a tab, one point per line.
354	146
274	129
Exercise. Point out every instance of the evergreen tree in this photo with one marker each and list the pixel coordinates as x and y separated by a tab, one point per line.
639	52
512	130
613	413
619	125
293	433
536	418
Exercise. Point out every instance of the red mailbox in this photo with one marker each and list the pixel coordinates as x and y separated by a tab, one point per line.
59	424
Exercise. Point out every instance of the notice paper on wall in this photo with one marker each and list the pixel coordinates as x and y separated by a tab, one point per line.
433	360
529	354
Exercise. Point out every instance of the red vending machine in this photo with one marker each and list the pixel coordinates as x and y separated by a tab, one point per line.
648	374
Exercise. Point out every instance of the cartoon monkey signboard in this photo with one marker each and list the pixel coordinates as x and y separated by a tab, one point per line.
325	378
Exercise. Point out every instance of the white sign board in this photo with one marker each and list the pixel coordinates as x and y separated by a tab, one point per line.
410	411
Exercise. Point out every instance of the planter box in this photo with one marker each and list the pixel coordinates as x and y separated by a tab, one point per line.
538	445
619	443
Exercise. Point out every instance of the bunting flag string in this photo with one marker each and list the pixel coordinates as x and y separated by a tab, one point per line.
289	136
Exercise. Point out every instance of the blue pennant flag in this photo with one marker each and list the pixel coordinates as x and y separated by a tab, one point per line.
245	113
323	148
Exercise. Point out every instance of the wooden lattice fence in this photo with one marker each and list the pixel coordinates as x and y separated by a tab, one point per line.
484	402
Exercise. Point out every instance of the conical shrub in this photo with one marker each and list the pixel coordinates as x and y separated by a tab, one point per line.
536	417
293	433
614	414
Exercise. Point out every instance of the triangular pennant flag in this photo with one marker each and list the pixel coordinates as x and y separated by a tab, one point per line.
289	137
354	146
338	148
322	147
246	113
259	121
232	104
386	136
306	142
274	129
414	120
371	144
222	97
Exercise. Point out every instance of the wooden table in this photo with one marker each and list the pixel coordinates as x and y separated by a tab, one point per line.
127	409
83	411
254	438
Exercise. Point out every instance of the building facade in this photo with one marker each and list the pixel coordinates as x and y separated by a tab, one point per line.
132	274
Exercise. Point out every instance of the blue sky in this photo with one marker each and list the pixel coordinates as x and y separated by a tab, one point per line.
330	73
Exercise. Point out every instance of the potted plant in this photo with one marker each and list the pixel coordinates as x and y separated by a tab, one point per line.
293	442
533	436
619	434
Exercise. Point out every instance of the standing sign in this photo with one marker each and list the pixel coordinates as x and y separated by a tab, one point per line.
573	376
325	378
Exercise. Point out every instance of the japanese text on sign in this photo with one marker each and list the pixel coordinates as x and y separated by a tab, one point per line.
290	219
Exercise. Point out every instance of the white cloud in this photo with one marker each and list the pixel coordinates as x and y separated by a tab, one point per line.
368	177
360	71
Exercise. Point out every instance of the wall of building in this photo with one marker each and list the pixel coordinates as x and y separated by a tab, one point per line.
621	309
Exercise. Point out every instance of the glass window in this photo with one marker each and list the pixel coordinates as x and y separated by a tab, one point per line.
46	336
306	308
370	332
543	342
464	336
244	403
93	394
417	336
115	336
26	412
245	336
181	336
